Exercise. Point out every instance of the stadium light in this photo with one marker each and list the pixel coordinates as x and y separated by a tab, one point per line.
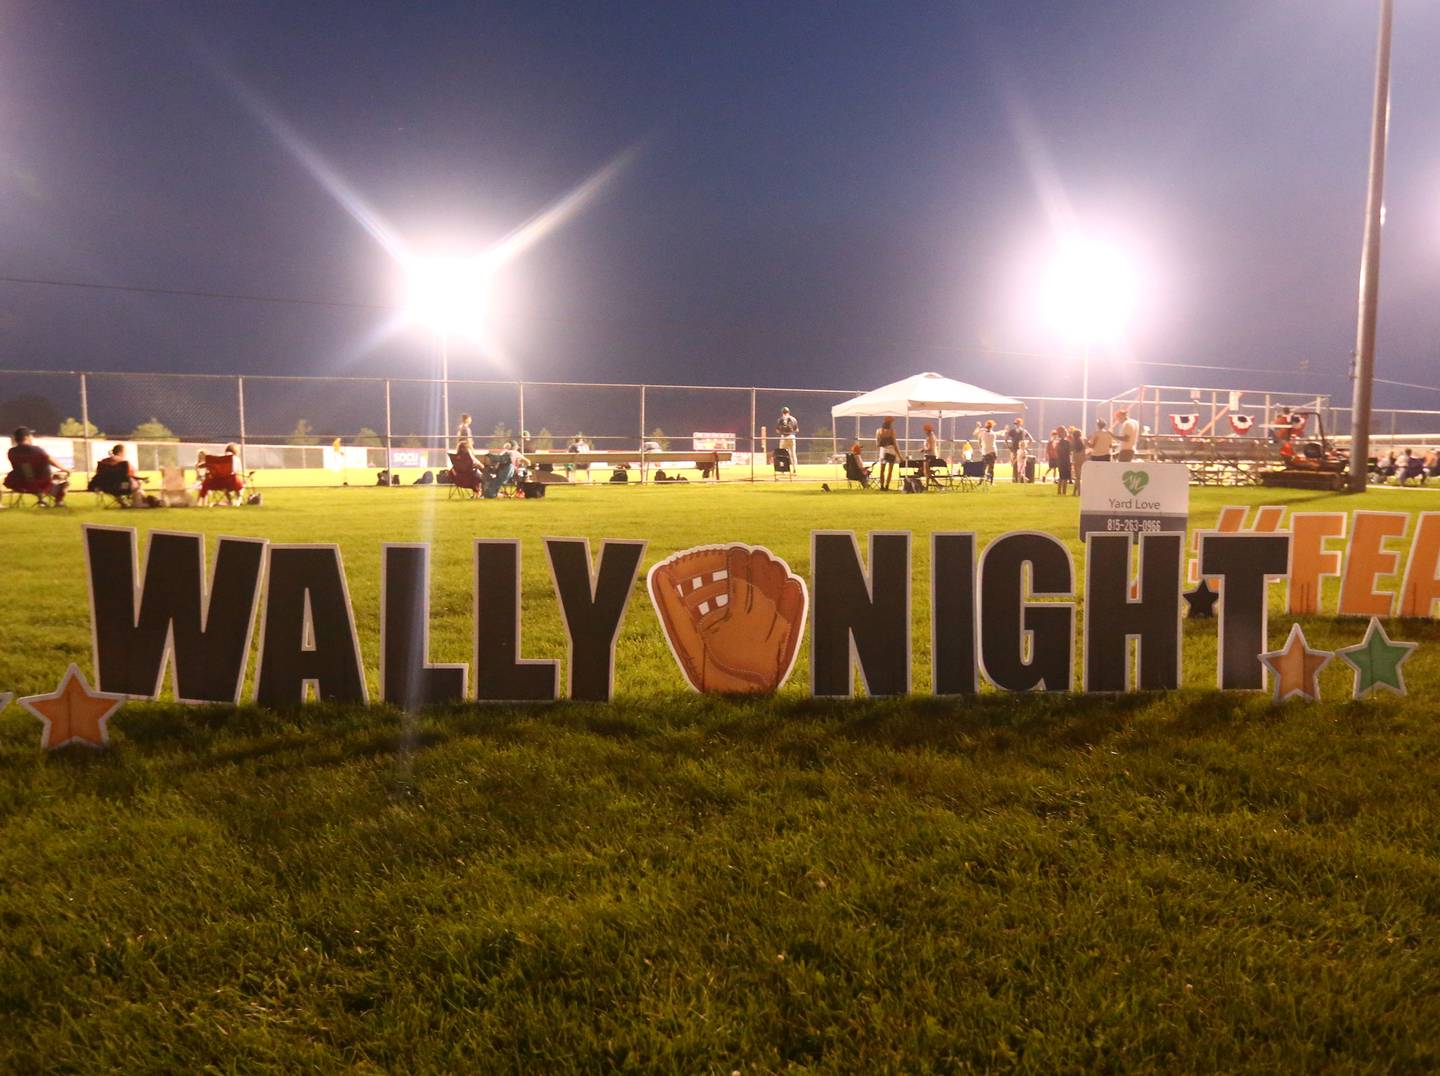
1089	295
449	294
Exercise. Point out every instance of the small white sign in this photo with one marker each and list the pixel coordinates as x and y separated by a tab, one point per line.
348	456
62	449
713	442
1134	497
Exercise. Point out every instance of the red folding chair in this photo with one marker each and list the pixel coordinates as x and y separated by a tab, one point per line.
35	480
464	477
220	477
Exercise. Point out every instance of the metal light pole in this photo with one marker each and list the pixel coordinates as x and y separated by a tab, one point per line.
445	386
1085	390
1370	264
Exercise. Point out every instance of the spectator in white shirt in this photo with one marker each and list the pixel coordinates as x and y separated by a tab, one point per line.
1127	435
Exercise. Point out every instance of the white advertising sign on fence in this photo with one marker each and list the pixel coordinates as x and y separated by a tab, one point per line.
346	457
713	442
1134	497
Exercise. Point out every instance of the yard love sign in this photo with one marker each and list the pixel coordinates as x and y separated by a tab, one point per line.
734	616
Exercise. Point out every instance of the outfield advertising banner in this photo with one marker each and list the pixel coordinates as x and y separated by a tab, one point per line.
1134	498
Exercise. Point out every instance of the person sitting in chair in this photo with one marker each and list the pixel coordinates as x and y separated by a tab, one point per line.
115	476
222	475
465	471
1386	468
508	464
33	471
855	469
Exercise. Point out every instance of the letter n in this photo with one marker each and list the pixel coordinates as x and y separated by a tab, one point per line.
860	619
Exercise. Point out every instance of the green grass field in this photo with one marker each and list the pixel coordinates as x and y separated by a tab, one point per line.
1180	882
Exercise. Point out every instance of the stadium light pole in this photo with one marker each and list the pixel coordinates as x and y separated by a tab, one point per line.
448	294
1369	303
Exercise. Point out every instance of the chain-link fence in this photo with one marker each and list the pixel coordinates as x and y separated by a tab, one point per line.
327	430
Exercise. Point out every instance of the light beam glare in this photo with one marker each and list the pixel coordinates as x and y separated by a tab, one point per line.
311	160
564	209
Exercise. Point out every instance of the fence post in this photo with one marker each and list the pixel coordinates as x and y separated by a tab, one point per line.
85	422
240	397
642	433
752	434
389	445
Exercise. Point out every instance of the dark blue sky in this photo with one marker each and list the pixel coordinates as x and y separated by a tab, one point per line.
829	194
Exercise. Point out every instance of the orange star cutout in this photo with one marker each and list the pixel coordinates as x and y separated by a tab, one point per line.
1296	667
72	713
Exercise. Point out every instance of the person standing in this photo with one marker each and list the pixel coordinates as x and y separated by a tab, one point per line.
932	451
1015	437
889	451
1102	445
1052	459
1127	435
786	427
463	432
1062	461
1077	455
986	436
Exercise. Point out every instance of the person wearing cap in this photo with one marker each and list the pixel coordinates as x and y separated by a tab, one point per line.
1102	443
1127	435
33	471
787	428
1018	438
985	434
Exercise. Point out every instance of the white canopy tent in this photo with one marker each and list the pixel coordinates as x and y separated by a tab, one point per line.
927	395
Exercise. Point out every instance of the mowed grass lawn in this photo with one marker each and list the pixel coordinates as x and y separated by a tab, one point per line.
1179	882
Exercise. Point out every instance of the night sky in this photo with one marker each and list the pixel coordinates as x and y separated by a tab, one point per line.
833	195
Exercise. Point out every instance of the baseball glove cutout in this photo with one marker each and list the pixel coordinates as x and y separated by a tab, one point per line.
733	616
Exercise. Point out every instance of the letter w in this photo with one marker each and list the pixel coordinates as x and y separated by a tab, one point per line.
206	629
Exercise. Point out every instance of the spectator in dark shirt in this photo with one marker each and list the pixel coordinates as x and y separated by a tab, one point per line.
1062	460
33	471
115	475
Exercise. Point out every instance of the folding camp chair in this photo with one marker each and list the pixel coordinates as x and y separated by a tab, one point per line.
783	463
464	477
33	480
937	474
971	475
500	478
856	472
113	487
173	491
221	477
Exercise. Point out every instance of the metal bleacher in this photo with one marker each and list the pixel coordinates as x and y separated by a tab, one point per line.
1216	461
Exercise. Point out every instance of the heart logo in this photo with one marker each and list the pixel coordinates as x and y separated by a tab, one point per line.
1135	481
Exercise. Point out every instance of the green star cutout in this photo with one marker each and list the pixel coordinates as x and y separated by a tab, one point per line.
1377	661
